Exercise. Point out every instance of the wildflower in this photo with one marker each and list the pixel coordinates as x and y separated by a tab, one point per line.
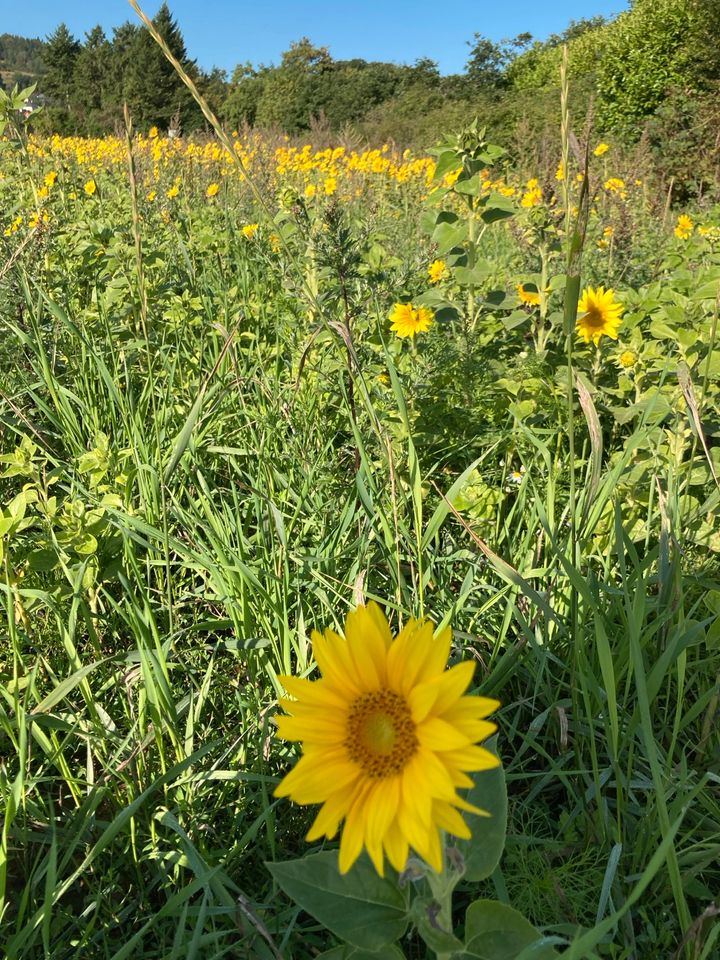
310	191
90	187
50	179
437	271
151	196
450	179
516	476
153	133
275	243
560	172
532	184
626	360
173	192
531	198
614	185
684	227
530	297
388	737
212	190
598	315
601	149
330	186
249	230
407	320
43	192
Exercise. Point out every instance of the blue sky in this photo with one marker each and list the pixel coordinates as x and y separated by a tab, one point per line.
227	32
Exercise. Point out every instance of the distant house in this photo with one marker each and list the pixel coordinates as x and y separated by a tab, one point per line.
33	103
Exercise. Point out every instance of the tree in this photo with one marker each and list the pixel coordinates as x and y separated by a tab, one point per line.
244	93
154	91
296	91
60	55
120	59
90	82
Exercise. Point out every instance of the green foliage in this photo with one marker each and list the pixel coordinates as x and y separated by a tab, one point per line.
155	94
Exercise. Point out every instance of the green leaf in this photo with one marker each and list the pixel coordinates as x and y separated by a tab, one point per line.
448	235
483	850
495	931
348	952
360	907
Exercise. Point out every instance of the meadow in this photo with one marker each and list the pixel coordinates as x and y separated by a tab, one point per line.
246	388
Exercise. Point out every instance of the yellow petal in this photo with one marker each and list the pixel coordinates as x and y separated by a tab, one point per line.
351	842
437	734
449	820
330	814
396	848
317	731
470	758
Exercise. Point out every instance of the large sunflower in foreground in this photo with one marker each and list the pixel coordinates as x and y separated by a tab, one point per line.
388	738
598	315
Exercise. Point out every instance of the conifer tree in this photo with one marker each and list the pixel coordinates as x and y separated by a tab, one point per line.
60	55
90	82
154	91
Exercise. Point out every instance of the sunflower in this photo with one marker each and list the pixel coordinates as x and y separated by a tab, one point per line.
598	315
530	297
684	227
437	271
407	320
388	737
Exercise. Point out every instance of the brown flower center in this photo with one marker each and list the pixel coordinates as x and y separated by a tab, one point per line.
380	733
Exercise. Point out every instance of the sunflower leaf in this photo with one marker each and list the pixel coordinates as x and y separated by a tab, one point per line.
483	850
359	907
495	931
348	952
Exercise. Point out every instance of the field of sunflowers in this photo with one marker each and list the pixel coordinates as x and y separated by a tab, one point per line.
255	401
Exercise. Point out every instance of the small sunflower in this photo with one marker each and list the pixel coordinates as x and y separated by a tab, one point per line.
684	227
598	315
437	271
627	360
406	320
212	190
388	737
529	297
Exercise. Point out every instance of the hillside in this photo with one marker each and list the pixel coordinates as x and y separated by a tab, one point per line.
21	59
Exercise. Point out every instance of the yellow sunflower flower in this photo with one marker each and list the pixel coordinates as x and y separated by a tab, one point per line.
601	149
212	190
598	315
249	230
437	271
684	227
531	198
407	320
90	187
530	297
388	737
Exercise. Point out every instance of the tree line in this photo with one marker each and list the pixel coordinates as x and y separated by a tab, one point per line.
626	67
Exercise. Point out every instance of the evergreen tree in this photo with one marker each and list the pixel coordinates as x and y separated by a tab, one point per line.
120	58
60	55
154	91
90	82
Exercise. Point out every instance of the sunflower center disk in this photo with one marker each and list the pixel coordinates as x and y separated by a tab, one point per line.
380	733
594	318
